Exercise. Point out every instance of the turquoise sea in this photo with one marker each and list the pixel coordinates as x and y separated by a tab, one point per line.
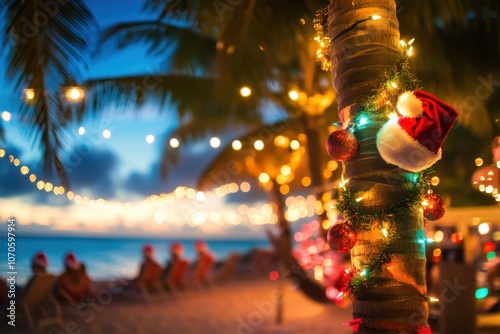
108	257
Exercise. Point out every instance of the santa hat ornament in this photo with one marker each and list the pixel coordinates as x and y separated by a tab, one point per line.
40	260
71	262
148	251
413	141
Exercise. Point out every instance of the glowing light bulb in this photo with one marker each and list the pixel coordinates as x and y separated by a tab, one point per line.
363	120
150	139
106	134
245	91
81	130
375	17
74	93
174	142
214	142
29	94
293	95
286	170
236	145
483	228
6	116
264	178
435	180
259	145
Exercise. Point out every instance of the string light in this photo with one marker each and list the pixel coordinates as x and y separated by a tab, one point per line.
150	139
245	91
174	142
6	116
259	145
81	130
74	93
215	142
29	94
293	95
236	144
106	134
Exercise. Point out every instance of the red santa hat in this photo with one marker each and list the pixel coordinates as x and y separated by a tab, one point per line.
176	248
413	141
148	251
39	260
201	246
71	261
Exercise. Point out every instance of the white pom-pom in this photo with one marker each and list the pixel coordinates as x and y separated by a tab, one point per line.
408	105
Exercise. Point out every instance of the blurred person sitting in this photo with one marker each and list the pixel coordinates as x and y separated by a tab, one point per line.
73	285
173	275
203	264
150	271
39	264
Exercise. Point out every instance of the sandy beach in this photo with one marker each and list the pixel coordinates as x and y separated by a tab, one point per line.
236	306
244	306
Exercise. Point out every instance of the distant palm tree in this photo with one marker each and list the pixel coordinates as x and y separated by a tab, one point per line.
212	52
45	45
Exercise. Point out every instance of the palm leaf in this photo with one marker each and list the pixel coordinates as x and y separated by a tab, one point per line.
2	133
184	48
43	55
193	97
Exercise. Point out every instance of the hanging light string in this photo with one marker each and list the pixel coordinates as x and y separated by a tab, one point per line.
298	207
179	193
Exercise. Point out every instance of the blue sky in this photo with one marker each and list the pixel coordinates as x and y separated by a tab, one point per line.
121	168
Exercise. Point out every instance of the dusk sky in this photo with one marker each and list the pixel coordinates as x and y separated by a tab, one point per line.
123	168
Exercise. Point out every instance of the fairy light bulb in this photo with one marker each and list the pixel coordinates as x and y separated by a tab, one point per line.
245	91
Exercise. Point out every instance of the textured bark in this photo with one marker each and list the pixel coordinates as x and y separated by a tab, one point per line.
360	57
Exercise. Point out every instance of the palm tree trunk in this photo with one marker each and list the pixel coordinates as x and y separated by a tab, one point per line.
397	303
311	125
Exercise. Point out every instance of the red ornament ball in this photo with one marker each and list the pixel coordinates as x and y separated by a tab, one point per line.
433	206
341	145
341	237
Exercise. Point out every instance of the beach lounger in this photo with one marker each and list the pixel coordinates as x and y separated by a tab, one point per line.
229	268
37	300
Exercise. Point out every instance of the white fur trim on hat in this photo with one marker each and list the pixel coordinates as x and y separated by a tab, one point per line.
409	105
398	148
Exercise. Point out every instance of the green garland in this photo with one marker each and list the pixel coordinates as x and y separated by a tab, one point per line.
394	82
376	109
387	219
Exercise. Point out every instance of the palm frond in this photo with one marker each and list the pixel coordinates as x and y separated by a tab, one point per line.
2	133
46	50
189	96
182	46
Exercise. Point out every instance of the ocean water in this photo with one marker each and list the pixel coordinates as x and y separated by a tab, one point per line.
109	258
